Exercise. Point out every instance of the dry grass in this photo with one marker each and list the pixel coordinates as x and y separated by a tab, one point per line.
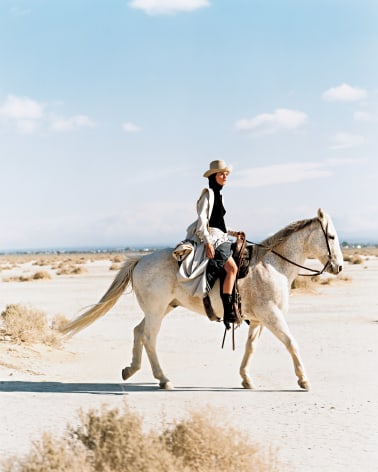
368	251
353	259
203	442
111	440
312	283
39	275
7	267
71	269
45	259
49	455
114	266
117	259
22	323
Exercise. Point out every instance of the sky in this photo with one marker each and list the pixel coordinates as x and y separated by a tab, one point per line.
110	113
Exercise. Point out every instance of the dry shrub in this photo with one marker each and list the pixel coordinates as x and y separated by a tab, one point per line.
40	263
49	455
71	270
6	267
25	324
17	278
354	259
305	283
114	441
39	275
201	443
309	284
79	270
58	322
117	259
367	251
114	266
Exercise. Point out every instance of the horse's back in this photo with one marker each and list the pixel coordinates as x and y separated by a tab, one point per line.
155	272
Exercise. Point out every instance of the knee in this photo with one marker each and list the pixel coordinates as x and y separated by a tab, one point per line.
231	267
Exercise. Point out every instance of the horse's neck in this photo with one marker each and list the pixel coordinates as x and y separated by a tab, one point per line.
293	249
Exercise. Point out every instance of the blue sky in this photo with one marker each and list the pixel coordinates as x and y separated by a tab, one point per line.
110	112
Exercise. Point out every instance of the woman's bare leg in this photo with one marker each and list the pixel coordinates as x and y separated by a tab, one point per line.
231	271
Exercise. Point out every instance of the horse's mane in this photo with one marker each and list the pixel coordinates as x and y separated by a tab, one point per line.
284	233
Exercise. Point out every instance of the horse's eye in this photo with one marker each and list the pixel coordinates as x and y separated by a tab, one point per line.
330	236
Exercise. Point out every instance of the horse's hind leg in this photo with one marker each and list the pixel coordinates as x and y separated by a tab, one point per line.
136	361
151	330
253	333
145	335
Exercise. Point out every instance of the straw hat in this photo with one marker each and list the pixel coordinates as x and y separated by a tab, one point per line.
217	166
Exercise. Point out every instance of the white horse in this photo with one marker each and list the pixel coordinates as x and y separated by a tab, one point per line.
264	292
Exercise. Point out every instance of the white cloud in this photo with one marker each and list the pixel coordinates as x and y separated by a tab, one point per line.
280	174
346	140
162	7
27	126
363	116
344	93
131	127
59	123
27	116
342	161
268	123
291	172
21	108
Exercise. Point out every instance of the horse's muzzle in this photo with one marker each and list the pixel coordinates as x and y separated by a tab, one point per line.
336	268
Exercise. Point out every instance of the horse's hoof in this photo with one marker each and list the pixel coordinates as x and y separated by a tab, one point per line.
126	373
247	384
166	385
304	384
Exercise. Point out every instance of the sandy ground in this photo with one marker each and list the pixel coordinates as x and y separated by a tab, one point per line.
333	427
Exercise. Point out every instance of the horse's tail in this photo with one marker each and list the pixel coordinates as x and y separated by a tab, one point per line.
118	286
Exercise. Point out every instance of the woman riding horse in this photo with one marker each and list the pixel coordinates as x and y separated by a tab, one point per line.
210	229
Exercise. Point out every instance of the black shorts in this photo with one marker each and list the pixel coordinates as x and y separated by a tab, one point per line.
215	266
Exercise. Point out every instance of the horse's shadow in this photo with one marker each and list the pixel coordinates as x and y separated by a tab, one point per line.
17	386
74	387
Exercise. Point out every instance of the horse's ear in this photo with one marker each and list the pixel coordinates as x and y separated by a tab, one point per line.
321	214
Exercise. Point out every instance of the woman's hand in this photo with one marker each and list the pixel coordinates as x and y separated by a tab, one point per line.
210	252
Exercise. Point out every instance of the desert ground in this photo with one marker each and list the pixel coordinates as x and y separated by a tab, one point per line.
333	427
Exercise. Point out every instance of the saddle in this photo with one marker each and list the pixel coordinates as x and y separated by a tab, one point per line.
242	257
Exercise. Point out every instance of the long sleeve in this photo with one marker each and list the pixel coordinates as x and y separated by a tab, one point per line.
203	211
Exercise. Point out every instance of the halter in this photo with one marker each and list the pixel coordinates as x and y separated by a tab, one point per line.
315	272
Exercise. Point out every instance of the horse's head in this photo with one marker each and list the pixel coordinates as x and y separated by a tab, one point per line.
327	244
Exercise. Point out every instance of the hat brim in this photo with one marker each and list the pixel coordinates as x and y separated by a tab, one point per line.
215	171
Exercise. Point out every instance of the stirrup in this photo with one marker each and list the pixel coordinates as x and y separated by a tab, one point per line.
233	336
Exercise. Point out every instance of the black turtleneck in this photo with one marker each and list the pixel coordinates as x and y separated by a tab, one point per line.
217	215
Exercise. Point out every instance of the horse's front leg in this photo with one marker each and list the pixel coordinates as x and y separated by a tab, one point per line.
253	333
276	323
292	347
151	330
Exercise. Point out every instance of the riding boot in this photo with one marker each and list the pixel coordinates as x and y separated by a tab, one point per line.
229	315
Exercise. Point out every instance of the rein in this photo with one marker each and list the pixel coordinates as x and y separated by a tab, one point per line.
315	272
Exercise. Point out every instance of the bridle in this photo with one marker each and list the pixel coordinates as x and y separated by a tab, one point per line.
314	271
